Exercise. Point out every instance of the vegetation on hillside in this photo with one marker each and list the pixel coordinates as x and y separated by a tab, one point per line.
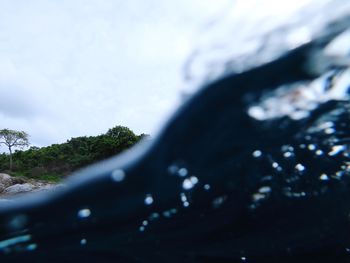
13	139
55	162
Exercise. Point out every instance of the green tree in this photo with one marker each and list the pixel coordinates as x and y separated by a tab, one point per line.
13	139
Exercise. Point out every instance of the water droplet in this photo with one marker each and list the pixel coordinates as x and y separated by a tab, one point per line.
300	167
32	247
83	242
183	172
84	213
118	175
264	189
257	153
206	187
324	177
149	199
336	149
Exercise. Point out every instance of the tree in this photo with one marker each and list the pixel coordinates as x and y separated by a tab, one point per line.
13	139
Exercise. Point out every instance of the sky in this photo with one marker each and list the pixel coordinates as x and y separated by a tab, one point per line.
72	68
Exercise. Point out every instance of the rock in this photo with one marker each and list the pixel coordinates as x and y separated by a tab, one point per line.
6	179
2	187
18	180
10	185
49	187
19	188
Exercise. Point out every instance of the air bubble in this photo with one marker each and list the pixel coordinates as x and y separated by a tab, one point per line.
14	241
189	183
311	147
183	197
183	172
288	192
142	228
257	153
173	210
149	199
144	222
84	213
167	214
338	175
172	169
329	131
326	125
153	216
264	189
319	152
324	177
217	202
287	154
83	242
266	178
336	149
194	179
258	197
118	175
274	165
300	167
18	222
32	247
206	187
185	203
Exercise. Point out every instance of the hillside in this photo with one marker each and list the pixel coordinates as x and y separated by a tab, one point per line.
55	162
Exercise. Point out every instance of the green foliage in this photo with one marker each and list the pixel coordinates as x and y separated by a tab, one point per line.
58	160
13	139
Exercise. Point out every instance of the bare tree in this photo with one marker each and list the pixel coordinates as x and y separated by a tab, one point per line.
13	139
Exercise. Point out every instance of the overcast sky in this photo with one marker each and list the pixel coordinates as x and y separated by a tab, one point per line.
78	67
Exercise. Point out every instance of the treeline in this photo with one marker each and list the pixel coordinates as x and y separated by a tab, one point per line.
58	160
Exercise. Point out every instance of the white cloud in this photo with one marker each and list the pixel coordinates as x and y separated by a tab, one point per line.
74	67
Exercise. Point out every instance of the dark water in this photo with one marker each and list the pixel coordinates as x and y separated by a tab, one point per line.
254	167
